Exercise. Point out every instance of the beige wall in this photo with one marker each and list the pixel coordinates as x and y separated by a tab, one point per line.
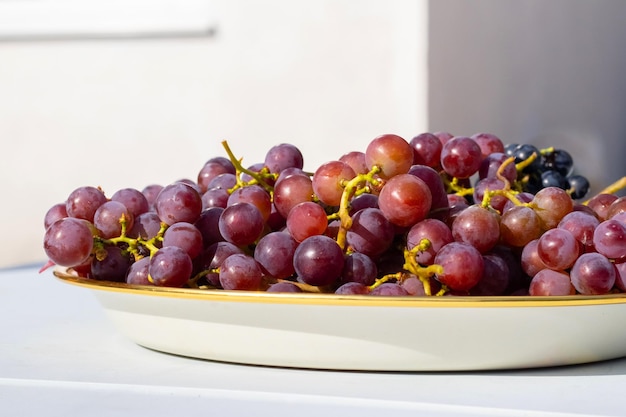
324	75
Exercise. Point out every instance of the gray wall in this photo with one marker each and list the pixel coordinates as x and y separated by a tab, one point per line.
546	72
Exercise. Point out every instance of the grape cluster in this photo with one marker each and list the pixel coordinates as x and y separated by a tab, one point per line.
435	215
548	168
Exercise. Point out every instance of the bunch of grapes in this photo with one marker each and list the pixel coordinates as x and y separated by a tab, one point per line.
436	215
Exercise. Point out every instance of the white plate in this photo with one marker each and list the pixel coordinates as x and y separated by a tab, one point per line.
368	333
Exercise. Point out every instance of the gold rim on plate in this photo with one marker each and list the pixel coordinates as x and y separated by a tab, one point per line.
343	300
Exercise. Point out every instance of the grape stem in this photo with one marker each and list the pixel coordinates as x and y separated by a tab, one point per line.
611	189
240	169
350	188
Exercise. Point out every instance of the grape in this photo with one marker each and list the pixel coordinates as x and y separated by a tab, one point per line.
443	136
558	249
609	239
208	225
405	200
241	224
495	278
151	192
462	265
489	143
426	150
328	181
356	161
306	219
224	181
550	282
519	225
440	207
240	272
283	286
492	163
551	205
461	157
146	226
488	184
478	227
436	232
362	201
68	242
137	273
111	264
578	186
553	179
582	225
413	286
558	160
283	156
58	211
359	267
254	195
186	236
600	204
592	274
83	202
531	262
170	266
389	289
620	276
352	288
178	202
108	217
318	261
616	207
371	233
391	153
212	258
274	253
215	197
211	169
134	200
291	191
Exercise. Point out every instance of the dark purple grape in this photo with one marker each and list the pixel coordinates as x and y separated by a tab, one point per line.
208	225
178	202
241	224
371	233
146	226
240	272
578	186
359	267
137	274
112	265
389	289
274	252
318	261
212	258
170	267
284	286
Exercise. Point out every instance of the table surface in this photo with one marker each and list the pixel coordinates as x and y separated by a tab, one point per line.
61	356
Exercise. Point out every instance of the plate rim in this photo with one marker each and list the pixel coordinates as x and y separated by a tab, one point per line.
323	299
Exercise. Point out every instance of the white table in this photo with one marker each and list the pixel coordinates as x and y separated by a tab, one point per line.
60	356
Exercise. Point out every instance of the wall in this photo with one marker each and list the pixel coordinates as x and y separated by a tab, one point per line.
324	75
552	73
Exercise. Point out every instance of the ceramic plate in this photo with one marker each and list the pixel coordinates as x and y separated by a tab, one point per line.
366	333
